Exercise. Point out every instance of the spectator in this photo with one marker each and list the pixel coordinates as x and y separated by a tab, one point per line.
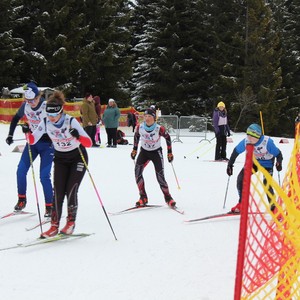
111	117
222	130
99	123
89	117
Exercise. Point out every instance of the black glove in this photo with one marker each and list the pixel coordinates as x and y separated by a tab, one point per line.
279	166
74	132
229	170
25	128
9	140
228	133
133	154
170	157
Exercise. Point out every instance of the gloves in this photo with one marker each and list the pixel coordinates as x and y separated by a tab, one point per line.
170	157
74	132
133	154
229	170
26	128
228	133
279	166
9	140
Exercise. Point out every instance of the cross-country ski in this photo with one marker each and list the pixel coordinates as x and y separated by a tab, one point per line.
221	215
41	241
18	213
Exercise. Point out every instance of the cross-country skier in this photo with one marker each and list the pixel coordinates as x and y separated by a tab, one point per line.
265	152
68	137
150	133
34	110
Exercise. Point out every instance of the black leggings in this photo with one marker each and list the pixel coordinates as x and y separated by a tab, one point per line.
69	170
143	159
111	136
240	179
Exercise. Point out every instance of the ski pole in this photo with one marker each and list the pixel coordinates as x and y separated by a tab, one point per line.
175	176
97	193
17	140
226	192
279	181
34	182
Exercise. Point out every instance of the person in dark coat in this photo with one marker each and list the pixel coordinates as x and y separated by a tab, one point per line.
222	130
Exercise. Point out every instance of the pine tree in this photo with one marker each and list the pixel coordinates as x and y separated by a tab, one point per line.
286	14
170	64
10	47
106	61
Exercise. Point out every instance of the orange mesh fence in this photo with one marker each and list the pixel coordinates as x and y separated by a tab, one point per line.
271	245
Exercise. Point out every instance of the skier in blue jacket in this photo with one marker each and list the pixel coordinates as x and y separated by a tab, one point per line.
265	152
33	108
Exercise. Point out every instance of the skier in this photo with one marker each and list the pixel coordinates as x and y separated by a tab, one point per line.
69	140
34	109
150	134
265	152
222	130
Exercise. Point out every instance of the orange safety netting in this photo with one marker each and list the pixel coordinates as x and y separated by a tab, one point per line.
271	245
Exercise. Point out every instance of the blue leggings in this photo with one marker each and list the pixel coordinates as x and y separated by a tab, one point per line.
45	151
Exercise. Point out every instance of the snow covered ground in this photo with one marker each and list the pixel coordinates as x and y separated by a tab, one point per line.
156	257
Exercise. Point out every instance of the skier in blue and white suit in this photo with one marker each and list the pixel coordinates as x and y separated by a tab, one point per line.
265	152
33	108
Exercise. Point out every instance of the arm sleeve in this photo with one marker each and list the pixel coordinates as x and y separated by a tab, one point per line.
165	134
136	138
84	139
38	132
215	119
271	147
240	148
16	118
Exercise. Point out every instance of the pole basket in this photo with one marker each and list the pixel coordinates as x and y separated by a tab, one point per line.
268	258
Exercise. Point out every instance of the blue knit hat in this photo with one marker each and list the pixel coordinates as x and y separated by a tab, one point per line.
31	91
254	130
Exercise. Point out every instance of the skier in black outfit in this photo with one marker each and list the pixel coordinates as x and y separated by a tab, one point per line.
150	133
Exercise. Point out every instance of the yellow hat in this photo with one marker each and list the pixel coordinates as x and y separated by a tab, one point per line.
221	104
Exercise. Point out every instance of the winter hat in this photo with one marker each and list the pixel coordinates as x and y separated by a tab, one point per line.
254	130
150	112
31	91
111	100
221	104
152	107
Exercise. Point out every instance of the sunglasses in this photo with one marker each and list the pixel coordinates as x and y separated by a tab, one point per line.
54	114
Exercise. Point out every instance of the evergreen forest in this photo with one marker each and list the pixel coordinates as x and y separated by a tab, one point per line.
182	56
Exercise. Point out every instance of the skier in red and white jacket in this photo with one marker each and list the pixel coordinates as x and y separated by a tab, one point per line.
69	140
150	133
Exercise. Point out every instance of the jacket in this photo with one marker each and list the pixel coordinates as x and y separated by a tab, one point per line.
88	112
111	117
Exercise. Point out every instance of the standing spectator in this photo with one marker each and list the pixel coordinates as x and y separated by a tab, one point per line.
222	130
34	109
265	152
111	117
150	133
69	169
99	122
89	117
131	120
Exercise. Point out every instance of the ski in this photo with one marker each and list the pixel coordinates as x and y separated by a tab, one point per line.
45	221
41	241
134	208
17	213
222	215
175	208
